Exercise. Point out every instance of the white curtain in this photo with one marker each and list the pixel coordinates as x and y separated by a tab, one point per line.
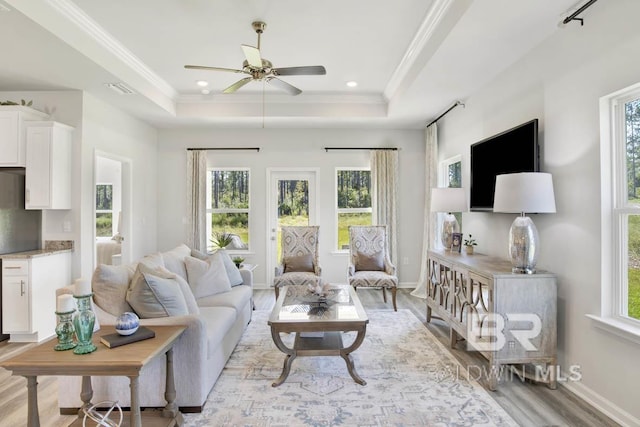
196	199
430	220
384	183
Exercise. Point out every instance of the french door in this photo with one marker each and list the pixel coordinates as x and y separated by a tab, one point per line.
291	200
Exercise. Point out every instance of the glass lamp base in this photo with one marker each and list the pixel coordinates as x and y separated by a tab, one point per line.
523	245
449	226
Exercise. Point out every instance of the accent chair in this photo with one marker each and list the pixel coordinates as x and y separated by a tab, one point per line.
299	263
369	262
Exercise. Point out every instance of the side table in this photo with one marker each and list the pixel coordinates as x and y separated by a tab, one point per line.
127	360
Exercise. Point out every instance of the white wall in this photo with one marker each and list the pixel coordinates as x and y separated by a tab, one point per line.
294	148
98	126
560	82
110	131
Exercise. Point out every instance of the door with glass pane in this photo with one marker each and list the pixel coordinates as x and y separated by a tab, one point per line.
292	201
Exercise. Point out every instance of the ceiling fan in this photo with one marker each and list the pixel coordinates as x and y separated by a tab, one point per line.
261	69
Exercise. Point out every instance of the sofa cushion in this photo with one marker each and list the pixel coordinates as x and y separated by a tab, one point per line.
174	260
298	263
236	298
219	321
235	278
207	277
370	262
155	292
109	284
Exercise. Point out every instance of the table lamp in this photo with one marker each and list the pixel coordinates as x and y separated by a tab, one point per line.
448	200
528	192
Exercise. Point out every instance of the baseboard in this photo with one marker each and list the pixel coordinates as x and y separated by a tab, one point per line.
605	406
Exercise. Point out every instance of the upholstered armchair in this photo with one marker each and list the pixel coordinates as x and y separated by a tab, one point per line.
299	264
369	262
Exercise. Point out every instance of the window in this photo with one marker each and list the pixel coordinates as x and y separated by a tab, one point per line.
620	143
353	195
104	210
228	204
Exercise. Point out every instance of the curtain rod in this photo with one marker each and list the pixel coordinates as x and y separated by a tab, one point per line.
572	17
455	104
361	148
224	148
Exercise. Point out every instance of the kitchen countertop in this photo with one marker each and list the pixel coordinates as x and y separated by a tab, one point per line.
34	253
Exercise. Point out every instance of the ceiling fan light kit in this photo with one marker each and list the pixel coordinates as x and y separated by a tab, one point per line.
260	69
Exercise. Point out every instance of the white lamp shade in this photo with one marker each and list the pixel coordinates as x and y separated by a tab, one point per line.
527	192
448	200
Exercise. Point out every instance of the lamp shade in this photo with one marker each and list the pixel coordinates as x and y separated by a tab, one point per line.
448	200
527	192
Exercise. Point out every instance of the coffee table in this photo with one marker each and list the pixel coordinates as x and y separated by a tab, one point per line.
127	360
318	323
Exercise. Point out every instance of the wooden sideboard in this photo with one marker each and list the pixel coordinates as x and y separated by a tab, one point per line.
510	318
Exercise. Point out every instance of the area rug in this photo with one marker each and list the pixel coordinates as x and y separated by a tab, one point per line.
412	380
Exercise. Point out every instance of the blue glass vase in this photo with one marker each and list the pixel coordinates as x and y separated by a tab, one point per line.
83	321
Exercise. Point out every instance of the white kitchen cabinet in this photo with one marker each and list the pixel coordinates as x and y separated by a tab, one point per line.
48	165
13	134
29	286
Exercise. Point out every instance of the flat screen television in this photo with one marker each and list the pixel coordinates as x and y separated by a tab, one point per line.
514	150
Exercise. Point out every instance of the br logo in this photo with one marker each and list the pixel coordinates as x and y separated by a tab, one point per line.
485	332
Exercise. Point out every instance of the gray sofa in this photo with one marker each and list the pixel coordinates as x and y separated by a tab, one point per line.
214	328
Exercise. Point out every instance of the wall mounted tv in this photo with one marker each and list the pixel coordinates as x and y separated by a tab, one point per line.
511	151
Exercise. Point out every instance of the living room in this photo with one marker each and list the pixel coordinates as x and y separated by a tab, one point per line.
560	81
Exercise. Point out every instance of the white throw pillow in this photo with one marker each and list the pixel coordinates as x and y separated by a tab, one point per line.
174	260
154	293
207	277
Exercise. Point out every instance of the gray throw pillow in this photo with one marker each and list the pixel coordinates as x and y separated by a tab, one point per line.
207	277
154	293
370	262
298	263
235	278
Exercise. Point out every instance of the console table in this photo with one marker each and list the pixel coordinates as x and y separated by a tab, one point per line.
509	318
127	360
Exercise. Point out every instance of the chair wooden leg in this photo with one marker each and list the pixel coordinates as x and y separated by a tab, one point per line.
384	295
393	298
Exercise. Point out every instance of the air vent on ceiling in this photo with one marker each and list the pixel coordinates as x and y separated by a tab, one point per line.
120	88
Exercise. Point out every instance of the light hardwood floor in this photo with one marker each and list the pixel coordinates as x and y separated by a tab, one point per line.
529	404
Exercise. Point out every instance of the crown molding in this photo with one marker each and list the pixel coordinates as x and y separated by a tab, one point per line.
432	20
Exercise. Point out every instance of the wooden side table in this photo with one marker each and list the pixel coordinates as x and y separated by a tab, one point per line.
127	360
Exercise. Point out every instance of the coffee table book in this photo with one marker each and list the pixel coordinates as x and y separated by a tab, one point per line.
116	340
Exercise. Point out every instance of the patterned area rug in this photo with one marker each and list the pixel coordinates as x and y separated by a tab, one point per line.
412	380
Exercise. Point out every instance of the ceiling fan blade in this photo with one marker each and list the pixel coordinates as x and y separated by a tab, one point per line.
253	55
202	67
312	70
237	85
280	84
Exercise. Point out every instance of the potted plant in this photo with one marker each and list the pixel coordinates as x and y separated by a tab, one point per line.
238	260
469	244
221	239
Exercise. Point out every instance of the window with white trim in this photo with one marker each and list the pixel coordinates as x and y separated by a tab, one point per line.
104	210
353	201
621	206
228	205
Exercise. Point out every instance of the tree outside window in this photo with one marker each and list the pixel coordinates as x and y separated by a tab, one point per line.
104	210
353	191
228	204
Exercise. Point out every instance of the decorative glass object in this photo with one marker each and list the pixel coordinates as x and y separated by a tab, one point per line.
83	321
65	331
127	323
103	419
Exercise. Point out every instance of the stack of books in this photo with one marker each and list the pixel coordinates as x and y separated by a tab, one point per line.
116	340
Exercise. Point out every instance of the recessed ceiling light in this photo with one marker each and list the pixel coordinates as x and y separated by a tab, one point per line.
202	83
206	91
352	83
